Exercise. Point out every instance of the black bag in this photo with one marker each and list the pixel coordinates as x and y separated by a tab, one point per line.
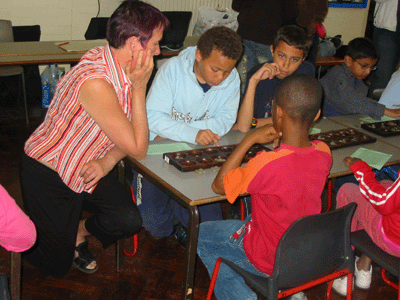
328	45
388	173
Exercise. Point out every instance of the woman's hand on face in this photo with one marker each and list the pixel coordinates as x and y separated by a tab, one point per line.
139	68
93	171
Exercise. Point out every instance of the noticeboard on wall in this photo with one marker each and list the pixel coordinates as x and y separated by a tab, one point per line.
348	3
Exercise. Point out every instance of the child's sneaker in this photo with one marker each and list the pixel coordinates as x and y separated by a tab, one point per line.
363	278
298	296
340	286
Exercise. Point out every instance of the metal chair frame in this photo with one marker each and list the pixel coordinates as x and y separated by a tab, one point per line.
362	241
314	249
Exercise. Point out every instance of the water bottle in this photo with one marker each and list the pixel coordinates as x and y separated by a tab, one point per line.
50	77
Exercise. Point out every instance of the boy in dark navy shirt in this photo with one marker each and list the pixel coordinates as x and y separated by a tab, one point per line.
290	48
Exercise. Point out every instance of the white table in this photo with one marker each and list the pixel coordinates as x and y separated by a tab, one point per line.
191	188
23	53
354	121
46	52
187	188
338	167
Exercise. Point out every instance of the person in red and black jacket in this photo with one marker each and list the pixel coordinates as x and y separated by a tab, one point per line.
378	213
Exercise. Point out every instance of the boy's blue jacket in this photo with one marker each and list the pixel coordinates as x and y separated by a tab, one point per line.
177	107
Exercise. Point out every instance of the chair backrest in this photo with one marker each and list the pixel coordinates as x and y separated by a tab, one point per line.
97	29
175	35
27	33
312	247
363	242
6	32
377	93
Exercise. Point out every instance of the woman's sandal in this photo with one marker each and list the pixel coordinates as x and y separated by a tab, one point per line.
84	258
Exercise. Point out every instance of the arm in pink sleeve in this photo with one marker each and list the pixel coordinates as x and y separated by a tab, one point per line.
17	231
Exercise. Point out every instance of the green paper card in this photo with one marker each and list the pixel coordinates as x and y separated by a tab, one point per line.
374	158
314	130
383	119
166	148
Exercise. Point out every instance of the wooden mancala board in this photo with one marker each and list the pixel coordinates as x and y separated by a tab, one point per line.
343	138
386	128
205	158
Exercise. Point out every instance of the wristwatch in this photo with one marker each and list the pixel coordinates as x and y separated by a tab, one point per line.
254	123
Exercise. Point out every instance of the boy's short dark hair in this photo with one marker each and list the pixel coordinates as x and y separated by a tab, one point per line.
359	48
134	18
222	39
293	36
300	95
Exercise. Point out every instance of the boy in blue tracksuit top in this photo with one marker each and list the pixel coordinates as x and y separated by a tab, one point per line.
178	107
194	98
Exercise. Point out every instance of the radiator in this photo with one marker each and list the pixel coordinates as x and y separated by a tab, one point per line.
190	5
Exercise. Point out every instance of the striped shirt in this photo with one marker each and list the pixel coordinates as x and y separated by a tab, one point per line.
68	138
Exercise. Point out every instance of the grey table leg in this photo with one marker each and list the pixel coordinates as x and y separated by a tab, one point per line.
191	252
119	245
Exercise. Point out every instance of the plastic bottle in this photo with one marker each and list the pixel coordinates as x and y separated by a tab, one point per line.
50	77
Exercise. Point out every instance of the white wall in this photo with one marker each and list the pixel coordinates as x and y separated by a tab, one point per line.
349	22
58	19
69	19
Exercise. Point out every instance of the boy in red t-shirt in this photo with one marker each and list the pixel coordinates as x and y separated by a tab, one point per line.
285	184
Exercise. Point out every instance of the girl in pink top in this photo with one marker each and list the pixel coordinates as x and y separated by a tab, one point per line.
17	231
378	213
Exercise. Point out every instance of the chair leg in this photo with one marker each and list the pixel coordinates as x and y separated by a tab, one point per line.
135	247
330	189
349	286
135	237
119	257
398	292
385	279
328	290
15	277
24	94
213	279
241	210
120	243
